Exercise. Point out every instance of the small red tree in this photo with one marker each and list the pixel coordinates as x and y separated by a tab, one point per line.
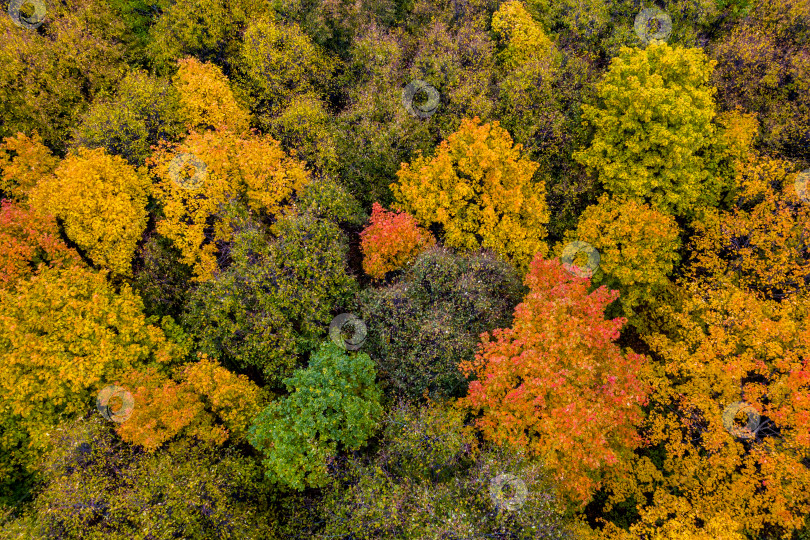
557	384
391	241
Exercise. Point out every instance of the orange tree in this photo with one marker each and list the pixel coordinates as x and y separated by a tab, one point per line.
762	243
480	189
556	384
203	400
29	241
712	463
391	241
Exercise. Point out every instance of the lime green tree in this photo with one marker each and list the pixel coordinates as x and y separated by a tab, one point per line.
653	129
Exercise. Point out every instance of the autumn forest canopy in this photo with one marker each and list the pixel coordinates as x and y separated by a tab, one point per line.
405	269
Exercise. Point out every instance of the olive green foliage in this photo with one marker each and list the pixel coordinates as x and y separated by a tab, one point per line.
306	128
424	324
209	30
653	129
278	62
143	111
160	278
325	198
276	300
335	401
49	76
764	67
96	487
430	479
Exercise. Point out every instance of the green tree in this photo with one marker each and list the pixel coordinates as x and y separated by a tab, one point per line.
428	321
335	401
143	110
276	300
95	487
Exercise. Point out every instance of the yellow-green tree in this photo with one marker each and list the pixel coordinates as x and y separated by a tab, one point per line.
102	201
654	133
199	178
206	100
279	62
638	248
479	188
64	335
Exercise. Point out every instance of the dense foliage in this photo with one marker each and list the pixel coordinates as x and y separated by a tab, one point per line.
418	269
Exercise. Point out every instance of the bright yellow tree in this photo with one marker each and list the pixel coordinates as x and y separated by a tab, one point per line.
206	100
480	189
198	178
102	201
23	161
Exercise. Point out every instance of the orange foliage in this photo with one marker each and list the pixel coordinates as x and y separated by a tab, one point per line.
28	240
391	241
203	393
557	384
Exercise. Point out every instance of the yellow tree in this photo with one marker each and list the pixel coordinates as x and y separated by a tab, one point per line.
64	335
198	178
728	432
23	161
638	248
102	201
480	189
206	100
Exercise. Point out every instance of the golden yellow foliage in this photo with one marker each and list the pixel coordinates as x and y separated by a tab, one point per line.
23	161
252	169
480	189
206	99
102	201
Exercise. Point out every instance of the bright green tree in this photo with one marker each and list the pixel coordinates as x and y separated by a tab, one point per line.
335	401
